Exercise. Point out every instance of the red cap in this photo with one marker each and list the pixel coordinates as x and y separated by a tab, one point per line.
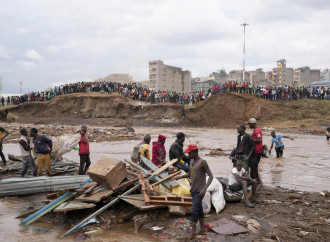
191	148
161	137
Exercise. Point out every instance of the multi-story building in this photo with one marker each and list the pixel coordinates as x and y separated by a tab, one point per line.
168	78
257	77
237	76
303	76
282	76
325	75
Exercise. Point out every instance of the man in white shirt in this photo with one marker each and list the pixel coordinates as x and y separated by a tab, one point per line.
238	180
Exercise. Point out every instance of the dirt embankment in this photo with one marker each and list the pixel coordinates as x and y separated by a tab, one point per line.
218	111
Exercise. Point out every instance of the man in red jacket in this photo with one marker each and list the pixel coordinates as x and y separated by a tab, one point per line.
84	153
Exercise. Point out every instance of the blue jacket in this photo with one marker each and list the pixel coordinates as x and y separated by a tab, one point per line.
43	144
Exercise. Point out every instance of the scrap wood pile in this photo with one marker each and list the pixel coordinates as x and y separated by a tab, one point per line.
111	181
58	167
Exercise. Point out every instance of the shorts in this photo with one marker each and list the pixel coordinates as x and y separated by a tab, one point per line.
237	186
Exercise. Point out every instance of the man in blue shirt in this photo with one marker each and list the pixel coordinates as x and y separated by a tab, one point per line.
279	146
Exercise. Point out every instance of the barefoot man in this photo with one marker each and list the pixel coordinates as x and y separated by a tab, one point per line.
198	170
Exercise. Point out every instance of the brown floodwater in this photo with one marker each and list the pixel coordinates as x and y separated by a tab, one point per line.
304	166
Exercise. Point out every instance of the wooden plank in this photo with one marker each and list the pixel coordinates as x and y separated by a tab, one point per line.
73	205
137	201
171	200
157	178
144	189
162	174
95	197
164	167
127	183
166	178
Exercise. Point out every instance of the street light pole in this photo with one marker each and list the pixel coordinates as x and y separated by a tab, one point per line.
244	25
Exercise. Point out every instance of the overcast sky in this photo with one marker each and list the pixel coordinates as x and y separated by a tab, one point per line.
47	42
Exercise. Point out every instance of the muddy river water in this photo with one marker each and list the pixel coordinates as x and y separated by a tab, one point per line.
304	166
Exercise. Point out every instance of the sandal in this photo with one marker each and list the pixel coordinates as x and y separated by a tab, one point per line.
202	232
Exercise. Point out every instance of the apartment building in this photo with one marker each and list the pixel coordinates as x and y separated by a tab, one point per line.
169	78
237	76
325	75
257	77
282	76
303	76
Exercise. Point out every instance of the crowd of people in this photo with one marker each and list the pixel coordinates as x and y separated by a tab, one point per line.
138	92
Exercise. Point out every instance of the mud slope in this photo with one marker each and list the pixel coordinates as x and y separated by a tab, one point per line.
232	108
90	106
225	110
221	110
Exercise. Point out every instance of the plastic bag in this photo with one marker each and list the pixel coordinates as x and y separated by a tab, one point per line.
218	200
216	190
183	188
207	203
214	186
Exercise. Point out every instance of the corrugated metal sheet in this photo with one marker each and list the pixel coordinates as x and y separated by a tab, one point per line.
35	185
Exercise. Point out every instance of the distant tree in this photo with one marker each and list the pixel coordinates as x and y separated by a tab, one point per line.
222	72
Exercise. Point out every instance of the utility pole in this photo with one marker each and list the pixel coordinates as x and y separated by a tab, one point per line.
0	87
20	87
244	25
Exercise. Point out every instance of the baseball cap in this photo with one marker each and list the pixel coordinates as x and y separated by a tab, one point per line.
252	121
191	148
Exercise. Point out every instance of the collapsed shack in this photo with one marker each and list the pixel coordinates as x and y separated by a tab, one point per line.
93	207
111	181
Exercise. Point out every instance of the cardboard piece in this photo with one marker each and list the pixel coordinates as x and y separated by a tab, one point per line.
108	172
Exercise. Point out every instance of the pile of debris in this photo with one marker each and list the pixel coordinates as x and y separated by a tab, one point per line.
109	182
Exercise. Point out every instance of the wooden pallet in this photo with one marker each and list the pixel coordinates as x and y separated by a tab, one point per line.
171	200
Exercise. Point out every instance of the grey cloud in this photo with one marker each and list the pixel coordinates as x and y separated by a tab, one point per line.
83	40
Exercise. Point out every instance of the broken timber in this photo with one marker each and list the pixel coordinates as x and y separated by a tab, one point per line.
95	197
162	173
137	201
73	205
166	178
77	226
171	200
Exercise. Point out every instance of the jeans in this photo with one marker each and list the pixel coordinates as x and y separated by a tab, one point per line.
197	207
